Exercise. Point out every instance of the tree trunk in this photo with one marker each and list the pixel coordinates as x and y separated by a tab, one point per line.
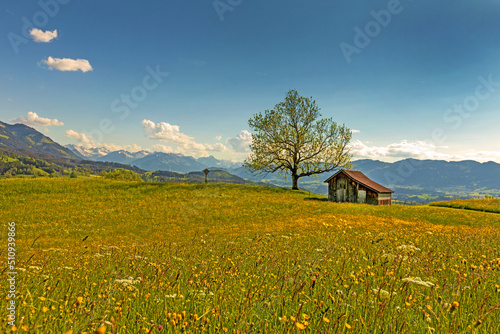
295	180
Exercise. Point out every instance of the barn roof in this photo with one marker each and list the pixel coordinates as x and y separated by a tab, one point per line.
362	179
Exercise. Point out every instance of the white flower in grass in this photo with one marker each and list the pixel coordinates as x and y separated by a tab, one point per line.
418	281
409	248
384	294
128	281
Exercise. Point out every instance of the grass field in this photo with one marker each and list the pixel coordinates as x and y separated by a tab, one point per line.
98	256
486	204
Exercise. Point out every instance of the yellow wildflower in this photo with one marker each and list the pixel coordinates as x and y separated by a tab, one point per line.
299	325
101	330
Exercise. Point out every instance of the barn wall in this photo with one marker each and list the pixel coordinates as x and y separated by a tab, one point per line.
385	199
343	189
331	191
371	197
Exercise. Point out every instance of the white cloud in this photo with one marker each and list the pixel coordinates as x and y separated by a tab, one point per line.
81	137
113	147
67	64
165	132
218	147
417	150
87	143
32	119
484	156
40	36
355	131
241	142
218	137
403	150
169	133
162	148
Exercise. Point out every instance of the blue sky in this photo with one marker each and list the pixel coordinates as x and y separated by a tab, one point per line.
411	78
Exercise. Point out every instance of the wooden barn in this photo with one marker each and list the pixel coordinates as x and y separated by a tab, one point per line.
355	187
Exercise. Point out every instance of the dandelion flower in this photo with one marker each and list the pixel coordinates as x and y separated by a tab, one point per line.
101	330
300	326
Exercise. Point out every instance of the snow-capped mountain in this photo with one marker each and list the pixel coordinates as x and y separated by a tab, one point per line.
122	156
88	153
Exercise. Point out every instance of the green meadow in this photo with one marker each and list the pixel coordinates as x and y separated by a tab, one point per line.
102	256
483	204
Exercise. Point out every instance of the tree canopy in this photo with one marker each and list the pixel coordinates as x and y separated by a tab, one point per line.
292	139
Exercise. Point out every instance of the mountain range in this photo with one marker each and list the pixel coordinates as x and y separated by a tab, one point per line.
172	162
411	179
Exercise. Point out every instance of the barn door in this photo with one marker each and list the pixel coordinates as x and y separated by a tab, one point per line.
340	195
362	196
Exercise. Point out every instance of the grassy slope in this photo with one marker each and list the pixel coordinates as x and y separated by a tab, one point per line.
486	205
239	256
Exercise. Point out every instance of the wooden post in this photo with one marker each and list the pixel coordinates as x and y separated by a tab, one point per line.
206	171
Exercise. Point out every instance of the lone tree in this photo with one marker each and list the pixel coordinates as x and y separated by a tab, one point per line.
293	139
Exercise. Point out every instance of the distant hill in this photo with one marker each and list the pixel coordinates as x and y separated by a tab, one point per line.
168	162
164	161
26	152
213	176
212	163
123	157
433	174
411	179
24	140
219	176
